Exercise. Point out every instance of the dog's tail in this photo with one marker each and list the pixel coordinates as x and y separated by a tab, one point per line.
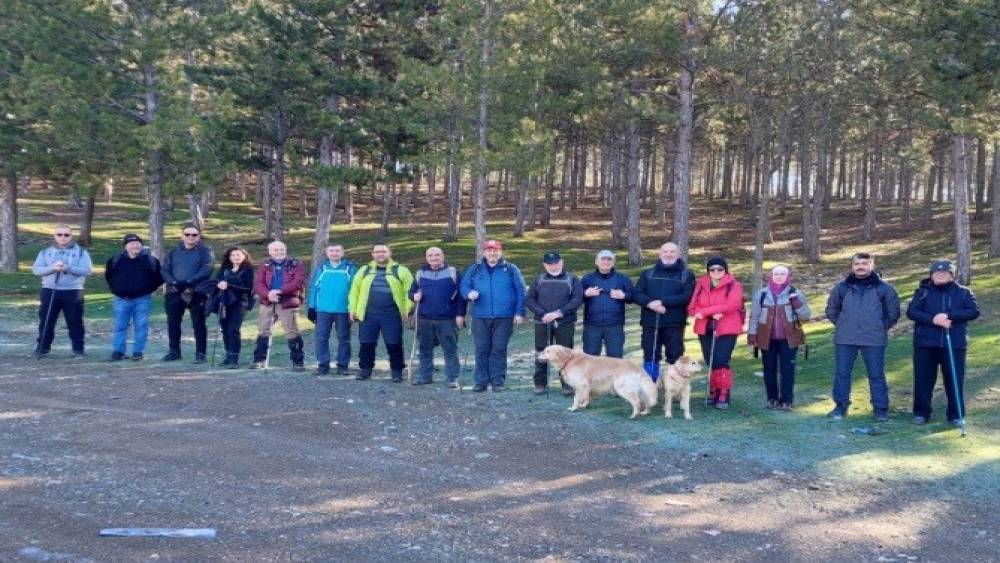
649	391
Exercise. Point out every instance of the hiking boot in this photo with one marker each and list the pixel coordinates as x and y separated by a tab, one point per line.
881	415
116	356
955	422
322	369
199	358
136	357
343	371
838	413
79	355
478	388
452	385
171	357
723	402
919	420
257	365
298	367
421	381
497	388
540	390
363	374
772	404
40	353
785	406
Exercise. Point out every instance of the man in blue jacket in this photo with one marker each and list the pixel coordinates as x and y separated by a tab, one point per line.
554	298
940	306
184	269
63	267
663	292
862	309
496	289
605	294
327	302
440	314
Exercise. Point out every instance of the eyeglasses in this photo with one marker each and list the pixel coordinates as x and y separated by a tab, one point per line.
64	234
192	234
716	269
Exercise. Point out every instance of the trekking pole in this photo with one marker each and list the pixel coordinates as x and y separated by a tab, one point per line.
656	345
48	314
215	341
954	382
711	360
270	337
413	344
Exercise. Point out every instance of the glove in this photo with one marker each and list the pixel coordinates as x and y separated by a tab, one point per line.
752	340
311	315
795	301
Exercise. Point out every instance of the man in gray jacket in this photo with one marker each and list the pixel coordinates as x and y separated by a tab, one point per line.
63	267
184	269
862	309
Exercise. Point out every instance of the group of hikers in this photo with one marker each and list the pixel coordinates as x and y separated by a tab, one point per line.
383	295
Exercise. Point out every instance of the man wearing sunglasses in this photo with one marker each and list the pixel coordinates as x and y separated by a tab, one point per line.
184	269
63	267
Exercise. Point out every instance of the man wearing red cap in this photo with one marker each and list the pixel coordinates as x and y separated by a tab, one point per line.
495	288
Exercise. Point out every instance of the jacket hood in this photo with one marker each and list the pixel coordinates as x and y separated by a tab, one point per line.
678	265
872	279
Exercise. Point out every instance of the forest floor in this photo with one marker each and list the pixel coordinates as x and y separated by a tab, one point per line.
294	467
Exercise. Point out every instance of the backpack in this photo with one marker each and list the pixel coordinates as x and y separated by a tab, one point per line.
394	271
452	273
742	310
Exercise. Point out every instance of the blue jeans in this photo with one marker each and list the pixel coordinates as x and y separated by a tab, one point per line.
431	332
779	355
491	337
325	322
130	311
613	337
874	358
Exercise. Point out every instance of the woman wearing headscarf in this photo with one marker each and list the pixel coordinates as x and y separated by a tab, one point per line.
776	317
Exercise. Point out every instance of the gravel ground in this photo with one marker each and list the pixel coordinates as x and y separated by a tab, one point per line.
292	467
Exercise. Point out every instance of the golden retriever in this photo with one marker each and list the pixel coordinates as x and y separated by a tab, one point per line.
590	376
676	382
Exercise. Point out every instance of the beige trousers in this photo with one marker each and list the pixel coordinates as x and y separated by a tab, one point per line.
270	313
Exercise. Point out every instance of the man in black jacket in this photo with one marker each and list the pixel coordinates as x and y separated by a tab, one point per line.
553	297
663	292
940	307
184	268
133	275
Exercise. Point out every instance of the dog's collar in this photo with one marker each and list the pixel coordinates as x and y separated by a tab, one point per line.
676	378
566	365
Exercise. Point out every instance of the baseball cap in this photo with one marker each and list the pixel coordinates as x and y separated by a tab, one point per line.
131	237
492	244
942	266
606	254
551	258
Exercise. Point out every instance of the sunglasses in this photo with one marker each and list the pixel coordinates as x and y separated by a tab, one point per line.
716	269
192	234
63	235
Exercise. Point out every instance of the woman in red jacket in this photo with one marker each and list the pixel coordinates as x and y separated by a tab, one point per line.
717	307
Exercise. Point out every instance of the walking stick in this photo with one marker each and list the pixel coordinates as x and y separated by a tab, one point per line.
954	382
215	341
413	345
656	346
48	314
270	337
711	360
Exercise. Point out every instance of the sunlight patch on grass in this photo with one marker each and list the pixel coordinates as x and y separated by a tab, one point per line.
945	455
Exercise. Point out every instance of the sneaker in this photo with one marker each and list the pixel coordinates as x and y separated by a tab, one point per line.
363	374
421	381
171	357
343	371
955	422
881	415
116	356
722	405
298	367
837	413
498	388
40	353
234	365
199	359
785	406
322	369
919	420
540	390
136	357
452	385
79	354
397	377
479	388
772	404
257	365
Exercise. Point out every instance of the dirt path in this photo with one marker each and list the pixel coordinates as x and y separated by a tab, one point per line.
298	468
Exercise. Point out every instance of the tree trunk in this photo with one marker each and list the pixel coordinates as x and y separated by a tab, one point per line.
963	244
431	190
874	188
278	190
632	194
454	185
763	225
86	237
550	186
685	132
995	203
521	206
109	189
980	178
194	206
267	204
810	205
326	195
616	193
387	192
479	189
567	175
8	223
154	164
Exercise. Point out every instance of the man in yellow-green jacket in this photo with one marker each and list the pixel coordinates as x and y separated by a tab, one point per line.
379	301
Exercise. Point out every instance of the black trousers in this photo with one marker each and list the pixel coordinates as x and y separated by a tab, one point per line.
668	338
546	334
230	326
69	302
926	363
174	305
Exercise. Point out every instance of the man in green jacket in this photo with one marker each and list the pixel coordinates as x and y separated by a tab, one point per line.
379	301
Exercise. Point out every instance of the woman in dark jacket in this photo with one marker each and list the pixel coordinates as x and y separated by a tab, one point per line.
232	299
940	307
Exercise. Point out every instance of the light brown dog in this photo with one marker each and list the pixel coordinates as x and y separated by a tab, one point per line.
676	382
590	376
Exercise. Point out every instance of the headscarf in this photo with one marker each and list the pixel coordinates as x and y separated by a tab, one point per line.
775	288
